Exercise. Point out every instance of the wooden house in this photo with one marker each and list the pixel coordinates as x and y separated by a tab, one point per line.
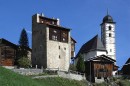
7	52
98	64
99	67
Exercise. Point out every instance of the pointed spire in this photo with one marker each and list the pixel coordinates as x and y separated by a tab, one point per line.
107	11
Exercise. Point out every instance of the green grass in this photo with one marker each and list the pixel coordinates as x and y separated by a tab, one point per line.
9	78
57	81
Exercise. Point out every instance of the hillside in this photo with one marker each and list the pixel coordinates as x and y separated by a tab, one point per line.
9	78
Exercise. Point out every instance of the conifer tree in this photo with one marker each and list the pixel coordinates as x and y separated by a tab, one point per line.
80	64
23	44
22	51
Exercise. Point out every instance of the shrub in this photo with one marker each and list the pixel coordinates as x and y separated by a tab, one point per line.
24	62
80	64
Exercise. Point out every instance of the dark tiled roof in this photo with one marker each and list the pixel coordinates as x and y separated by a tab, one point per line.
128	61
73	40
102	56
56	26
6	42
43	17
107	18
126	64
94	44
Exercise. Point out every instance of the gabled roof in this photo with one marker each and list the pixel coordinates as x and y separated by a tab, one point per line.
102	56
6	42
126	64
93	44
73	40
128	61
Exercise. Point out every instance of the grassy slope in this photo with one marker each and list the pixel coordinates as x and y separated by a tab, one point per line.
9	78
57	81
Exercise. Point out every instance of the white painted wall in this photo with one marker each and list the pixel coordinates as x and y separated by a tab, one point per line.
93	54
109	42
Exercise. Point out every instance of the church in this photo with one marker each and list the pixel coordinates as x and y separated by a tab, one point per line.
100	54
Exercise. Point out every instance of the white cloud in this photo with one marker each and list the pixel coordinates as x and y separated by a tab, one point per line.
29	32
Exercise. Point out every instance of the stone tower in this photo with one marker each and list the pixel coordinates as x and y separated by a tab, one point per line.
108	35
51	43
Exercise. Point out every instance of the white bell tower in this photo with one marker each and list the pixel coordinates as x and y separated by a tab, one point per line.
108	35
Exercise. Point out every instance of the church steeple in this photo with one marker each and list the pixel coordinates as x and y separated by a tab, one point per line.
108	35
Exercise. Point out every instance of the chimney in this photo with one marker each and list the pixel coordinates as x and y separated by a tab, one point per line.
58	21
42	14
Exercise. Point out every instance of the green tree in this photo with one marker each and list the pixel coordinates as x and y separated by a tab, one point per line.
22	50
80	64
23	44
24	62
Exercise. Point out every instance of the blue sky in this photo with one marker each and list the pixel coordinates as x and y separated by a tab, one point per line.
82	16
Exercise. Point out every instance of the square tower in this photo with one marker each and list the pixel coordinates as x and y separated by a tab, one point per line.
51	43
108	36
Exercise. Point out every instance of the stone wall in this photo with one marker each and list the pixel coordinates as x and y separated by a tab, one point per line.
47	53
71	76
28	71
39	57
58	53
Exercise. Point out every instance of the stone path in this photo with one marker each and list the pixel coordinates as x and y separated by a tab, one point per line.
46	76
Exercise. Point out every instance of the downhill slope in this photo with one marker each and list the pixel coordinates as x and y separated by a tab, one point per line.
9	78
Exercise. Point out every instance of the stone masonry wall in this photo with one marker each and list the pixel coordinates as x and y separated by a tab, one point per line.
58	54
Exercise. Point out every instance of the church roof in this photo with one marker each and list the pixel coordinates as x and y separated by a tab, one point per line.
107	18
93	44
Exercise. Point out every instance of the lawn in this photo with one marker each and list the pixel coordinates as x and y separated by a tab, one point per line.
9	78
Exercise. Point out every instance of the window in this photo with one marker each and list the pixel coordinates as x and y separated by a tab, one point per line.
109	34
110	50
98	77
109	27
59	47
63	39
54	37
64	48
55	31
59	56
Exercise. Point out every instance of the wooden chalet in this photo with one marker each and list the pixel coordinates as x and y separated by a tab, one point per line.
7	52
99	67
97	64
